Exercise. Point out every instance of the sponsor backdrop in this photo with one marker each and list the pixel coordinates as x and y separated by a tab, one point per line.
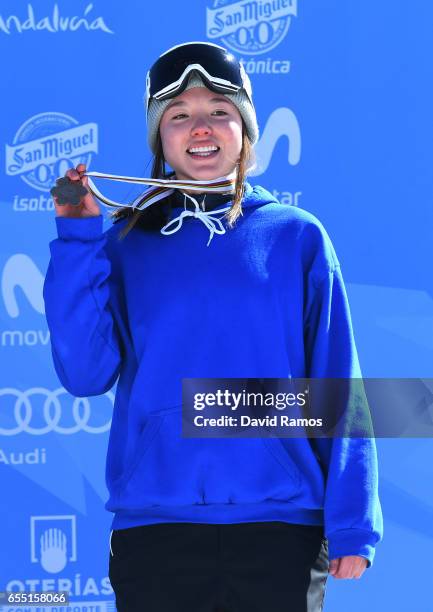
342	96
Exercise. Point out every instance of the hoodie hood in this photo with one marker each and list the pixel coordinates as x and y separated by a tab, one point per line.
253	197
257	196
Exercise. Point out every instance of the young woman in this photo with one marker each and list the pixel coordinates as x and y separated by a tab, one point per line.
208	277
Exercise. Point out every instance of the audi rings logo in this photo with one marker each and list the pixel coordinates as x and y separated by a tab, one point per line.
54	413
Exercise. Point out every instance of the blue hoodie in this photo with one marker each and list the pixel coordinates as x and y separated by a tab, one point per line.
264	300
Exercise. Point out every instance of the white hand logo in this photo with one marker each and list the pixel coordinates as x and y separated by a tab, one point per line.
53	550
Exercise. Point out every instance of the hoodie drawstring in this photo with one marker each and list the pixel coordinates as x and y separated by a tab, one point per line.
111	550
207	218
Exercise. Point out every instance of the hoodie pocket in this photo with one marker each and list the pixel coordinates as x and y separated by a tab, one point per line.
170	470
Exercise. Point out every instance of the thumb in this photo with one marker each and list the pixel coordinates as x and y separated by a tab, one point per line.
333	566
81	168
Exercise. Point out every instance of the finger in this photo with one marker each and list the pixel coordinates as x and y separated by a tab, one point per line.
360	568
81	168
343	576
333	566
88	200
340	568
73	174
347	568
363	562
85	181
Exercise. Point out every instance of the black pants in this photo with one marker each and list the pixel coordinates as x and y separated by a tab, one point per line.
242	567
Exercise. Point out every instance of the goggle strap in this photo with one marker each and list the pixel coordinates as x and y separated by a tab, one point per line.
170	89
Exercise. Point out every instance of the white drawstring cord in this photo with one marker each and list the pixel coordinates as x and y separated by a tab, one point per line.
111	550
207	218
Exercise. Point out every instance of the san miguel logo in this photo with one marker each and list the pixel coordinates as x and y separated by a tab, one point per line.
46	145
250	27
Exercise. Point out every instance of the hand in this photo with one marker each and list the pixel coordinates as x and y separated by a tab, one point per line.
71	197
352	566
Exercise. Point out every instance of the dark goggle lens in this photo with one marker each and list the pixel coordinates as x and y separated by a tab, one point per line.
217	62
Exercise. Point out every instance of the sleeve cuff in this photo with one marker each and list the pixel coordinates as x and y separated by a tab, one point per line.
81	228
352	542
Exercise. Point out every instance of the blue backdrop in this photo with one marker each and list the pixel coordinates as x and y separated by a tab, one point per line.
343	97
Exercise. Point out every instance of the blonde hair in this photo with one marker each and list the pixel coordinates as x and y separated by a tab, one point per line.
156	216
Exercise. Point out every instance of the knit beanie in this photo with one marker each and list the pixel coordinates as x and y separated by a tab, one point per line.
239	99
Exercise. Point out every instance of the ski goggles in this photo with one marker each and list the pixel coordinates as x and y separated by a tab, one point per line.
220	70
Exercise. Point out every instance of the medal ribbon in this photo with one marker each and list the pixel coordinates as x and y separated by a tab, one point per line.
160	188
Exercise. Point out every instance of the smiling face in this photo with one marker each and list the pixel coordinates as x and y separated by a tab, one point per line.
199	117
